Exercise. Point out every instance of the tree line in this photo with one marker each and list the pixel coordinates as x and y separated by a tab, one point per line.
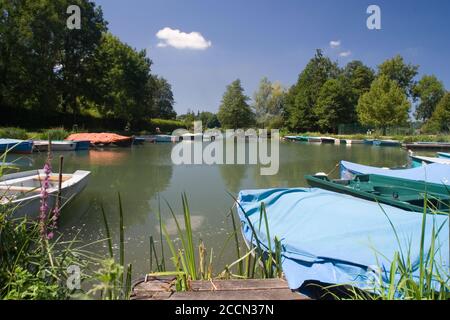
47	67
326	96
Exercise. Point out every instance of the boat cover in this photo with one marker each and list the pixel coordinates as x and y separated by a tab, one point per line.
433	173
334	238
99	138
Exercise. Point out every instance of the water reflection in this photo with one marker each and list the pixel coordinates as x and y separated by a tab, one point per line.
142	173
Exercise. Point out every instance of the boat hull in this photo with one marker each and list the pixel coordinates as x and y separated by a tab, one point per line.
16	146
42	146
29	206
401	193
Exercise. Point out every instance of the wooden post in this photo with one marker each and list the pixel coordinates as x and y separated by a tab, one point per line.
58	199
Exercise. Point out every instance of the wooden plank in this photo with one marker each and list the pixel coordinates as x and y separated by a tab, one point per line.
250	289
249	284
273	294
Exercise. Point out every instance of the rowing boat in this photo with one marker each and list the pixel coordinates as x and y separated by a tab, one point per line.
20	191
386	143
16	146
418	161
443	155
42	145
333	238
434	173
401	193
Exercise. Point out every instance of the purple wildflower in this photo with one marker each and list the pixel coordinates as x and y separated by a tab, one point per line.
44	198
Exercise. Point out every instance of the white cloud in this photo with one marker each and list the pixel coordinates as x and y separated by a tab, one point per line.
182	40
345	54
335	43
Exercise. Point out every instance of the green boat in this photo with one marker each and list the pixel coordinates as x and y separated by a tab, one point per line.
397	192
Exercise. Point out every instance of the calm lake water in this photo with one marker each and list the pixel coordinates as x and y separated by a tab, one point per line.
144	173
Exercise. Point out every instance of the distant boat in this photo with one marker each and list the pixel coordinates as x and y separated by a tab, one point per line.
163	138
427	146
351	141
369	141
443	155
16	146
42	145
401	193
102	139
418	161
314	139
386	143
82	144
328	140
21	191
138	140
434	173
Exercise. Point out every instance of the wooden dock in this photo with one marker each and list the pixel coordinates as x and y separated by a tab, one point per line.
249	289
431	146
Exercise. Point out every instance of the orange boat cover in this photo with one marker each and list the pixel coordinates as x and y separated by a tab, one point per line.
96	138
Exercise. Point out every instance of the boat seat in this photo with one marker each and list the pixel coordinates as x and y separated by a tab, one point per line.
19	188
53	178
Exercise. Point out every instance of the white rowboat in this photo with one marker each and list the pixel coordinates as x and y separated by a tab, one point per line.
20	191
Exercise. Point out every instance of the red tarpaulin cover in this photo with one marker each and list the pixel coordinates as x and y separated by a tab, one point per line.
98	138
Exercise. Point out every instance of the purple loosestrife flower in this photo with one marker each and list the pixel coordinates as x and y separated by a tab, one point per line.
44	198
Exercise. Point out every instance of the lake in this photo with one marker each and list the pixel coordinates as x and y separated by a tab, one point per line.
144	174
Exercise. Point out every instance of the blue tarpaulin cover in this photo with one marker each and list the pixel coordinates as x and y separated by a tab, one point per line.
334	238
433	173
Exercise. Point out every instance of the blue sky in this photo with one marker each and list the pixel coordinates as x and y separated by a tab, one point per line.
249	39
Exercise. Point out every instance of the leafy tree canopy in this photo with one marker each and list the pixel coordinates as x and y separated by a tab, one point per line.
384	105
430	91
234	111
396	69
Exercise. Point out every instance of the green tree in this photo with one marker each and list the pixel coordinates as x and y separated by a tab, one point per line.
359	78
120	77
334	105
76	54
234	111
384	105
163	99
42	62
268	102
440	120
430	91
302	97
396	69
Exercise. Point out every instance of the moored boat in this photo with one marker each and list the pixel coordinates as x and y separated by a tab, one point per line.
401	193
82	144
328	140
386	143
418	161
434	173
443	155
42	145
368	141
16	146
102	139
352	141
427	146
330	238
314	140
20	191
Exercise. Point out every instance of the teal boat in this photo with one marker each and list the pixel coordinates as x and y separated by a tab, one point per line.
401	193
386	143
418	161
443	155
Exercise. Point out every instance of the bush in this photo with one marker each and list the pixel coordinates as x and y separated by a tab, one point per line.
13	133
54	134
166	126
